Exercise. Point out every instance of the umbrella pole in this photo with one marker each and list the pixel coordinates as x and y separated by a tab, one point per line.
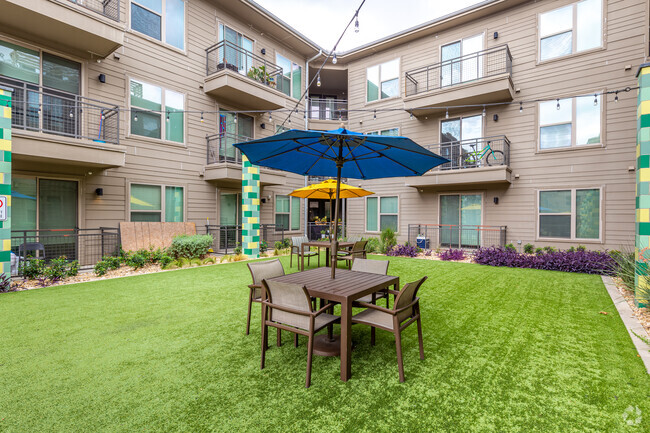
335	244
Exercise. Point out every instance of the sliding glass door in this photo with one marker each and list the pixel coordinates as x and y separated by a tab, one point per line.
230	216
460	216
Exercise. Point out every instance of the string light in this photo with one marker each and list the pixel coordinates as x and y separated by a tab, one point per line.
202	120
375	115
334	60
558	104
289	119
521	107
318	82
356	23
616	97
235	119
135	117
71	114
447	114
411	116
270	117
484	113
595	99
168	116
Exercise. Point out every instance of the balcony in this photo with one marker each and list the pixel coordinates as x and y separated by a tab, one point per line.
89	29
325	114
479	161
52	126
242	78
480	78
224	164
466	237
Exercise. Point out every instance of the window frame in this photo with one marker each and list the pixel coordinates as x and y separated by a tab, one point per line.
163	203
293	63
574	39
163	25
382	130
480	76
290	213
573	146
399	82
379	213
573	237
163	115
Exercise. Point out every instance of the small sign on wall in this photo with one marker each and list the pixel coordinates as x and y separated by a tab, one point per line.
3	208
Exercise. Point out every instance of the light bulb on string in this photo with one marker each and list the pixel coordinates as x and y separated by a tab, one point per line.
484	113
235	119
558	104
595	99
616	97
318	81
521	107
135	117
447	113
202	120
411	116
71	114
375	115
356	23
334	60
168	116
270	117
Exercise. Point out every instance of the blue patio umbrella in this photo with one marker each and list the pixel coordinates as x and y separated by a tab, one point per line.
341	153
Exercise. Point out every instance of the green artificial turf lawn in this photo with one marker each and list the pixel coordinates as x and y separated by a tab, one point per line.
506	350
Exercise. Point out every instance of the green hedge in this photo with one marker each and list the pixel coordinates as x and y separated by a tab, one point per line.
190	246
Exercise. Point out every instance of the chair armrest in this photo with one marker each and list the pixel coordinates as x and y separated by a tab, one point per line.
393	292
376	307
254	286
406	307
323	308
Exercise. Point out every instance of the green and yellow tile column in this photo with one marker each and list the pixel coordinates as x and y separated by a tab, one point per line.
5	178
642	242
250	208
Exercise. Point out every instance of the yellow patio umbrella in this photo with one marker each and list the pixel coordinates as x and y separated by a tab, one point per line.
327	190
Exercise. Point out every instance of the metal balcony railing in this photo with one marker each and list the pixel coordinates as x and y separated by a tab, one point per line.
40	109
480	152
228	237
328	109
472	67
221	149
108	8
433	236
227	55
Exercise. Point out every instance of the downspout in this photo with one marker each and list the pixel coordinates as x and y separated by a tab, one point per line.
320	53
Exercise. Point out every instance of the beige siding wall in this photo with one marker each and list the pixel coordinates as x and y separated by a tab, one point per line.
602	167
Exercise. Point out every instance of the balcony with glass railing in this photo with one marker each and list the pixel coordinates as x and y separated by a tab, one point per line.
77	129
479	78
89	29
242	77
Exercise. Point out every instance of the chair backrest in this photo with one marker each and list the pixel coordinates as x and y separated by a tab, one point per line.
31	246
354	238
266	269
359	248
406	296
296	241
288	295
370	266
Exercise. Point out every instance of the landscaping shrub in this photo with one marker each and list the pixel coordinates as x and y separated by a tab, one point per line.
32	268
57	269
529	248
101	267
5	283
588	262
373	245
264	246
388	240
539	250
238	249
403	250
452	254
165	260
73	269
138	259
625	267
549	249
113	263
581	248
278	246
571	249
190	246
510	247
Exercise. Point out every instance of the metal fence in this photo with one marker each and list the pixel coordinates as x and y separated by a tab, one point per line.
108	8
36	108
432	236
228	55
480	152
328	109
316	231
475	66
227	237
87	246
221	149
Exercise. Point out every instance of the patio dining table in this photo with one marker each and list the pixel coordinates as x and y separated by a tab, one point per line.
347	287
321	244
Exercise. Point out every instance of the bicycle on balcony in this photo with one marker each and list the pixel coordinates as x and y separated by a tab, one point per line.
491	156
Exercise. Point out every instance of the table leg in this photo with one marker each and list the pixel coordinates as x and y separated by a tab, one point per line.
346	340
327	257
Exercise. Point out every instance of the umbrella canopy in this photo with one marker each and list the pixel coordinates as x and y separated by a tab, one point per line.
340	152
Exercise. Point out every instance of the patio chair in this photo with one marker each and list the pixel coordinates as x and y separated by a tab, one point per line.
358	251
373	267
405	311
26	248
288	306
260	271
296	242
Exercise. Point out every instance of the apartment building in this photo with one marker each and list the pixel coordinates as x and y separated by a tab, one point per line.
123	111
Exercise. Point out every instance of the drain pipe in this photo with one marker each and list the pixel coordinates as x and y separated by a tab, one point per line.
306	201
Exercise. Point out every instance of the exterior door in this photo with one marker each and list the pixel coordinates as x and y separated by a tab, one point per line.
230	216
455	71
459	137
232	132
460	218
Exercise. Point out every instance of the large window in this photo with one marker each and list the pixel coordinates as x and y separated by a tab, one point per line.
569	122
156	203
454	71
156	112
571	29
233	128
287	212
382	81
381	213
291	77
458	138
161	19
460	215
569	214
39	203
237	49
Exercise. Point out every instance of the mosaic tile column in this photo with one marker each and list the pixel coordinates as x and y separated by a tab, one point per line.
250	207
5	177
642	243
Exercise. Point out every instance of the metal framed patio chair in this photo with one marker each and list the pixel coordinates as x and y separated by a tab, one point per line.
296	242
405	311
288	306
358	251
372	267
260	271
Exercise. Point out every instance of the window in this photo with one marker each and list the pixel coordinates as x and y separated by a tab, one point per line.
393	132
233	128
381	213
237	49
147	17
460	215
561	34
287	212
148	202
291	80
454	71
459	137
382	81
569	214
575	123
149	104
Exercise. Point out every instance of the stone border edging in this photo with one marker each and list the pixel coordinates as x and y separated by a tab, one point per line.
629	320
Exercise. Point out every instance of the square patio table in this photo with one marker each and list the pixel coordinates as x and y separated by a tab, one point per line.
320	244
347	287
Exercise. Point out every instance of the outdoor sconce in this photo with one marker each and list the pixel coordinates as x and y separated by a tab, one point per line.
263	125
496	35
99	192
496	200
263	200
102	78
495	117
263	51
